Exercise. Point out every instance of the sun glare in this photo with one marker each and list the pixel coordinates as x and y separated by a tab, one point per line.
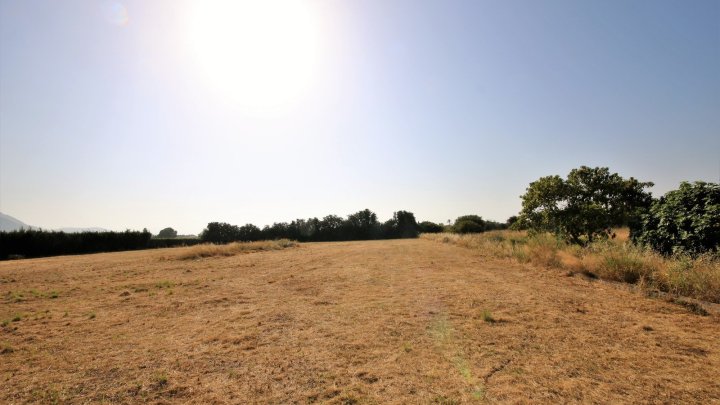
257	53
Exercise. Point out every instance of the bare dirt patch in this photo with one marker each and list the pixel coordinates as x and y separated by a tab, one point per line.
407	321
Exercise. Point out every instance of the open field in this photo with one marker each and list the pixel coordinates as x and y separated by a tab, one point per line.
401	321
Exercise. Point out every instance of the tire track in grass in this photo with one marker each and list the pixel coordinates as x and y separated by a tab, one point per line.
447	343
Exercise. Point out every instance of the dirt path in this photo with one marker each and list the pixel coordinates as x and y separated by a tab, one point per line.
360	322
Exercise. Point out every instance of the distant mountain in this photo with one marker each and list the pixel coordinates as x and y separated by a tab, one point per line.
78	230
8	223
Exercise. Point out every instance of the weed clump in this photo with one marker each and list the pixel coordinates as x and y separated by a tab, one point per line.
160	379
6	349
487	317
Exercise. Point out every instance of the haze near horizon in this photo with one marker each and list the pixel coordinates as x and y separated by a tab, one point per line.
176	113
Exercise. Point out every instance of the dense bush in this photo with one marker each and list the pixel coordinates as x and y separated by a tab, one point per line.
430	227
686	220
495	226
37	243
469	224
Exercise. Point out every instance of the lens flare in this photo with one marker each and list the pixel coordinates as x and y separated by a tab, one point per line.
116	14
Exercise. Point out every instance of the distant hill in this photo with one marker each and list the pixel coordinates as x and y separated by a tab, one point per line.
8	223
78	230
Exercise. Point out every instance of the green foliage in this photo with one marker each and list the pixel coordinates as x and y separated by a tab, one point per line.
686	220
587	205
514	223
430	227
495	226
474	224
469	224
248	232
220	232
38	243
330	228
175	242
361	225
401	225
167	233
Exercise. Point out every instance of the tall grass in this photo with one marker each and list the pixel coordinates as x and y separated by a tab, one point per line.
614	259
231	249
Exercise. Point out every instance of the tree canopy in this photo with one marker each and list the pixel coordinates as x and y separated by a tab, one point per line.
586	205
167	233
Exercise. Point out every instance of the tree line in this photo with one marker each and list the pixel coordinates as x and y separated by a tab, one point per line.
581	208
362	225
38	243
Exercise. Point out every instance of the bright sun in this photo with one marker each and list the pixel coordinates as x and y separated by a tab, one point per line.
259	53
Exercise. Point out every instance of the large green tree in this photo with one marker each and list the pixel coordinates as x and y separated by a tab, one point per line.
586	205
401	225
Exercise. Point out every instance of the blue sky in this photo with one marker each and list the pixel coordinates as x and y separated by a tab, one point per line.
131	114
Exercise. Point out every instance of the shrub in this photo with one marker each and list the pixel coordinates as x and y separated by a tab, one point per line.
686	220
469	224
623	265
430	227
486	316
543	250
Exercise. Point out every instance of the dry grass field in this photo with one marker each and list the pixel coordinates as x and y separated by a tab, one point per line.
402	321
613	259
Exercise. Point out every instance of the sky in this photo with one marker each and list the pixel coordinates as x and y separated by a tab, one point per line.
147	114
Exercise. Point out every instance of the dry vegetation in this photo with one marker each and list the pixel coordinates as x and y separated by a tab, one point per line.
231	249
614	259
401	321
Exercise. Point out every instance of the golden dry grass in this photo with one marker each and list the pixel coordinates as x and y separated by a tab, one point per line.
614	259
231	249
403	321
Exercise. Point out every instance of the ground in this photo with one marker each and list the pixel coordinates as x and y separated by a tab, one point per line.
406	321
